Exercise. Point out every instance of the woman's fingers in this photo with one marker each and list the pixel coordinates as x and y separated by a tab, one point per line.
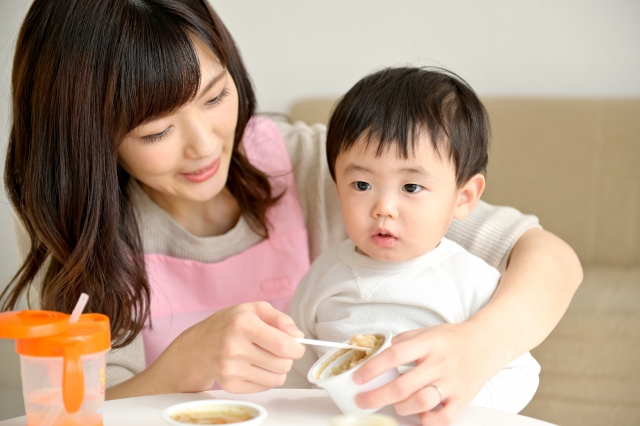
425	399
275	318
401	389
250	379
394	356
406	335
444	416
271	339
243	348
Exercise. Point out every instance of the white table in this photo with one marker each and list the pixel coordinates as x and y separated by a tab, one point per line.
294	407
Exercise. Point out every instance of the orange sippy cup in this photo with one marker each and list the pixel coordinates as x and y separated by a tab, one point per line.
62	365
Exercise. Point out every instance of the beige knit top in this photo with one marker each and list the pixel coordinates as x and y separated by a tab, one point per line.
489	232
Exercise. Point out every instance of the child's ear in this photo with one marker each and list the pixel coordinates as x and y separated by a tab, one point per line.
468	196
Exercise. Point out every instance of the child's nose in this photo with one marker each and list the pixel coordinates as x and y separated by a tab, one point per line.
385	208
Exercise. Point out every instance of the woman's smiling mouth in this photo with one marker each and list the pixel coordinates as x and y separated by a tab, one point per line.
204	173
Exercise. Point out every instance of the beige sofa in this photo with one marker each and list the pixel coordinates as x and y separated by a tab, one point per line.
575	163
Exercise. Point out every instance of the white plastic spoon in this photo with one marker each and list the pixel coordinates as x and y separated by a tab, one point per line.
329	344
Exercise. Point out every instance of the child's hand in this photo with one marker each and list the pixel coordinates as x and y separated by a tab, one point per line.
454	357
245	348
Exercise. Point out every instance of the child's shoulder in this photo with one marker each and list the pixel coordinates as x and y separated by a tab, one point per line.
326	270
461	263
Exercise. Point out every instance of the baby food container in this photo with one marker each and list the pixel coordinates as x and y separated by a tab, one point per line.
341	388
62	365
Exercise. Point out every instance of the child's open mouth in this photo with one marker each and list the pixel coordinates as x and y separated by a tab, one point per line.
384	238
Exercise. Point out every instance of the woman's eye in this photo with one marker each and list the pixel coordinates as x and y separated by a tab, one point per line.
157	136
362	186
412	188
218	98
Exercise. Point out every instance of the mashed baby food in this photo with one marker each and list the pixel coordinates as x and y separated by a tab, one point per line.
358	357
213	416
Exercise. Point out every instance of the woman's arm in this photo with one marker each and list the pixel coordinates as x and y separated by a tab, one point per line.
542	275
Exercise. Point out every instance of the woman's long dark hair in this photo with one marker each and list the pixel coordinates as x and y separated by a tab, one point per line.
85	73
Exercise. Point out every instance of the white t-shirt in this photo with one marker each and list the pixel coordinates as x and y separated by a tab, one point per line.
347	293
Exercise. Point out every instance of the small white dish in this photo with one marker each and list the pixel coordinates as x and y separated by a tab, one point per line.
216	407
341	388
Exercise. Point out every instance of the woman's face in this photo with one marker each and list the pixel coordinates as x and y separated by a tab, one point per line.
186	155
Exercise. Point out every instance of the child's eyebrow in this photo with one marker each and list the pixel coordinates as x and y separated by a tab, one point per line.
355	168
416	171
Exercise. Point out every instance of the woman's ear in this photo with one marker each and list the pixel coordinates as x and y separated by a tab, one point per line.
468	196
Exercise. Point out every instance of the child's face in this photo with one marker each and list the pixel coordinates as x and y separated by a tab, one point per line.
396	209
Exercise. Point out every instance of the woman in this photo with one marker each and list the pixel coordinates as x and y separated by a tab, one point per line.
140	175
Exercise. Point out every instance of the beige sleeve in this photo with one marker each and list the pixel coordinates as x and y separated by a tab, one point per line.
490	232
122	364
316	190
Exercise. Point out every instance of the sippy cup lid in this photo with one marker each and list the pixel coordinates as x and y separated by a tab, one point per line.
32	324
49	334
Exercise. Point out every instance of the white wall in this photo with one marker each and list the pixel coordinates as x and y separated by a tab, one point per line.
572	48
300	49
11	14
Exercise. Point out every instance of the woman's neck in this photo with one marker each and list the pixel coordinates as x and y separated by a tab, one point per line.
216	216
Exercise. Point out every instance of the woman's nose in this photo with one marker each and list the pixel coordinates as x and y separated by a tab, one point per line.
200	141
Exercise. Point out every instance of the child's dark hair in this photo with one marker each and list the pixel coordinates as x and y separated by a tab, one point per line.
393	106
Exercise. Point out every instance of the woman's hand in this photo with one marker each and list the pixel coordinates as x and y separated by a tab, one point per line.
453	357
244	348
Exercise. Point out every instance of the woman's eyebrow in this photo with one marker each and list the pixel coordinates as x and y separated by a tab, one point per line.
213	81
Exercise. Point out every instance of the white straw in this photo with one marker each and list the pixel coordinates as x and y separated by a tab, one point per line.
56	408
77	311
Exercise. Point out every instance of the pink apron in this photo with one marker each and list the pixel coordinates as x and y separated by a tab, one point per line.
185	292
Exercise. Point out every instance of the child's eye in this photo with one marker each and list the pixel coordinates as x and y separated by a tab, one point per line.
412	188
362	186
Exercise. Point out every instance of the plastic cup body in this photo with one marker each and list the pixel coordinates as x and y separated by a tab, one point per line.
42	391
341	388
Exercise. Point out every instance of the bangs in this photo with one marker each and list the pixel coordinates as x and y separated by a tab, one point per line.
393	111
159	70
394	107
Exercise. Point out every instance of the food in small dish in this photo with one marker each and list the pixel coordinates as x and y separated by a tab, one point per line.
205	416
215	412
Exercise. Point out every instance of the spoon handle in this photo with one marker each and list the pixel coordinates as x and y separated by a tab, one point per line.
329	344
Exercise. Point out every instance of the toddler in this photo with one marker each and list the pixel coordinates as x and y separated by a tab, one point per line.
407	149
